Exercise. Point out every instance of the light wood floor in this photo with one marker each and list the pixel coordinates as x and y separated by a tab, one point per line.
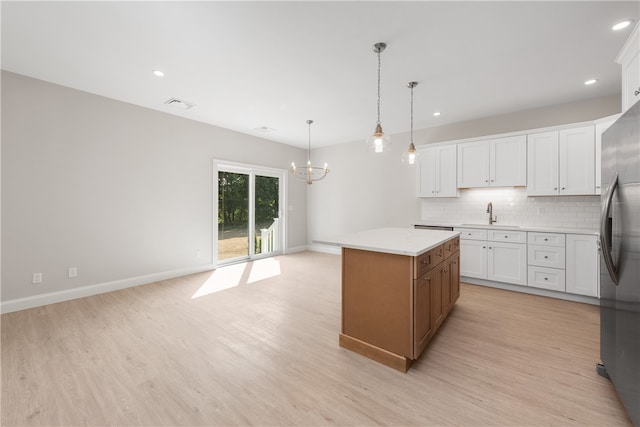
266	353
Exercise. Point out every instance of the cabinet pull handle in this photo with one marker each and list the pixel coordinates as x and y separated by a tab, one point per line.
637	92
427	278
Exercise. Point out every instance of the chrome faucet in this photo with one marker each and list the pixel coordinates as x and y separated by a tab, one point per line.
492	219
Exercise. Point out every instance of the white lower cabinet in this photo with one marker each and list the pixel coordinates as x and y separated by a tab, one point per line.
546	259
473	258
582	264
507	262
498	256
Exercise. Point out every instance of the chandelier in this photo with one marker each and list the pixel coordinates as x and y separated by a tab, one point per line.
309	173
411	155
378	142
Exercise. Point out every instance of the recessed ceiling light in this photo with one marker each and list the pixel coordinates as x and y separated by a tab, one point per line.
621	25
158	73
436	114
590	82
265	129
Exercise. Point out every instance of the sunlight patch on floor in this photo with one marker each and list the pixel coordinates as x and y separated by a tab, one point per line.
264	269
231	276
222	278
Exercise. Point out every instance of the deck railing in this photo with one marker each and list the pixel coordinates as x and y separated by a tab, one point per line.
269	237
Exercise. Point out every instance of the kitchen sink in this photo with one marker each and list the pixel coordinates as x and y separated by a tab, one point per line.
499	227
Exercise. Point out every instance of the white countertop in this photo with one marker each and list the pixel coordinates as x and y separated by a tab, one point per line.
399	241
536	228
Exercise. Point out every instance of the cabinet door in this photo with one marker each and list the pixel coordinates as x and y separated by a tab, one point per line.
473	258
507	262
600	128
542	164
447	172
455	277
447	294
582	265
629	59
508	162
437	308
422	321
426	179
473	164
577	161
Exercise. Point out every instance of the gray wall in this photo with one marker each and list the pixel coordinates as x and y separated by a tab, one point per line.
367	190
116	190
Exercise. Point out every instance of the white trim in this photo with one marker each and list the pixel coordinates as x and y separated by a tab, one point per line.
100	288
531	290
296	249
251	170
327	249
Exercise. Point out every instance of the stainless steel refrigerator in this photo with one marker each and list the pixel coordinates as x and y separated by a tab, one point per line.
620	260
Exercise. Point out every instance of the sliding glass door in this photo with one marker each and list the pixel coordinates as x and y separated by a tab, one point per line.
249	219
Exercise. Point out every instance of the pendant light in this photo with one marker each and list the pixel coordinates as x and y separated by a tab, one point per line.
411	155
378	142
309	173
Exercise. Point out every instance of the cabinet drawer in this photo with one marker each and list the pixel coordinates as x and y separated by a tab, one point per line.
507	236
428	260
451	246
472	233
546	239
546	256
546	278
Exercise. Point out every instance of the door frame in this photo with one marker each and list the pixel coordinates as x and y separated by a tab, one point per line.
252	171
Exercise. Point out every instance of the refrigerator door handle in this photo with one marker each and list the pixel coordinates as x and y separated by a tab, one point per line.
605	232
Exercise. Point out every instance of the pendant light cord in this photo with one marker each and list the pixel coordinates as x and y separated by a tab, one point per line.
412	113
378	86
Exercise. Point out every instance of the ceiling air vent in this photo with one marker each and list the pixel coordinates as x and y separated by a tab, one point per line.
175	102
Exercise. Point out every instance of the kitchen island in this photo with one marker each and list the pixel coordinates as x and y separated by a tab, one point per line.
398	286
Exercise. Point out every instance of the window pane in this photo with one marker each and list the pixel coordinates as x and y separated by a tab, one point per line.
267	193
233	215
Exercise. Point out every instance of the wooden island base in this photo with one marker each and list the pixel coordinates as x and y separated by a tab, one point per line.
393	304
392	360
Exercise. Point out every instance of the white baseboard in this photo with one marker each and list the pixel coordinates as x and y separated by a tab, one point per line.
327	249
101	288
531	290
295	249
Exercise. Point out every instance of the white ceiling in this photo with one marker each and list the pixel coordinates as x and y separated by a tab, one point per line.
276	64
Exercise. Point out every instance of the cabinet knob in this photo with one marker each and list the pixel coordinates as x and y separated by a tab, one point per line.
506	237
545	239
486	180
637	92
546	278
555	188
563	188
484	247
546	257
491	180
427	278
490	247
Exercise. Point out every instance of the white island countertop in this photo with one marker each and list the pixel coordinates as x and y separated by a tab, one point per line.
399	241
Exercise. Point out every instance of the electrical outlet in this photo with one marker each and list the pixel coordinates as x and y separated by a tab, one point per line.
36	278
73	272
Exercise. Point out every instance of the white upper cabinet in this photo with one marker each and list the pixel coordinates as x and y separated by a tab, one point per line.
437	172
542	164
601	126
561	162
629	59
500	162
577	161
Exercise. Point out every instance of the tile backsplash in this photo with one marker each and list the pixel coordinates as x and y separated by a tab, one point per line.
513	207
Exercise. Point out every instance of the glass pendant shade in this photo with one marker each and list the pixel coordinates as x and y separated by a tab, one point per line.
378	142
411	156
